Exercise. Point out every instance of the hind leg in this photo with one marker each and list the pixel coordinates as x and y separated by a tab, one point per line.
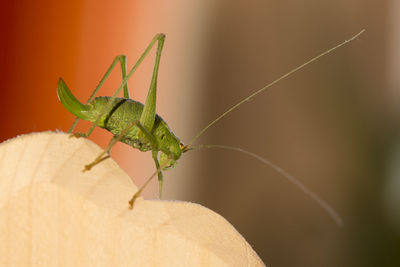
122	60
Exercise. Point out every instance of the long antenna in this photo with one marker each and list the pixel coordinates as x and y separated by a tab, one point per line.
272	83
322	203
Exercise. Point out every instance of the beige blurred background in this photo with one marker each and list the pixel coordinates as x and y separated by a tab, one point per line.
333	125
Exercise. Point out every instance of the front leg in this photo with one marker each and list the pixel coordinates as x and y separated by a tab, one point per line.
160	174
159	169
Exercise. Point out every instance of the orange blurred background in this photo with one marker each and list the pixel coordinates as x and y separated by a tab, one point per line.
333	125
77	40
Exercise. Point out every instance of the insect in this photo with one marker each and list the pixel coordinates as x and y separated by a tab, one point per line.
139	126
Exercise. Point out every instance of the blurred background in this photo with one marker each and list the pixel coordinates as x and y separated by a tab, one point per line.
334	125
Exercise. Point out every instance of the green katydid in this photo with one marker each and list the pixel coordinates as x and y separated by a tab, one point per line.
139	126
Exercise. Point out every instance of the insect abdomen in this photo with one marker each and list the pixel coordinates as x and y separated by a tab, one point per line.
119	116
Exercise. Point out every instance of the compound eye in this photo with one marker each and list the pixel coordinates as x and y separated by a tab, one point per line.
184	148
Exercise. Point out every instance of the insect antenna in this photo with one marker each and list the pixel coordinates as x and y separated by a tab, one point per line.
270	84
322	203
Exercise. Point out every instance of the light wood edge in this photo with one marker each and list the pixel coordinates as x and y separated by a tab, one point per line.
42	187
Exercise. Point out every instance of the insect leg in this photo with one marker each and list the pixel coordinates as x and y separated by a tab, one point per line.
137	194
122	60
160	174
106	153
160	38
149	111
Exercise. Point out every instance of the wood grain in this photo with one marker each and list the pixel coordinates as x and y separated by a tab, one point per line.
53	214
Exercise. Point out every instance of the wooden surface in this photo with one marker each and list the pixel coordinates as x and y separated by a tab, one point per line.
52	214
